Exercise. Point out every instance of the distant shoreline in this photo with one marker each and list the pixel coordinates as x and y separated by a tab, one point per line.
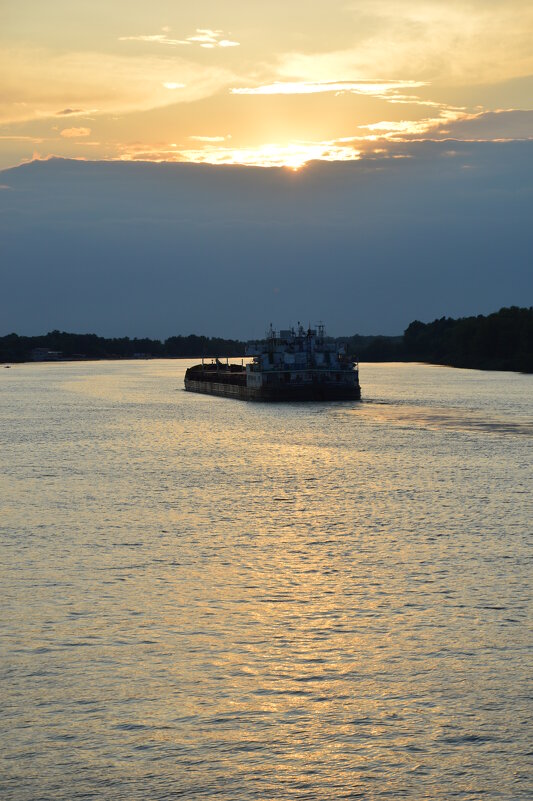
499	341
198	358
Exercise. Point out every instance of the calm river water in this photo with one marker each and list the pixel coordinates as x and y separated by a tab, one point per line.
204	598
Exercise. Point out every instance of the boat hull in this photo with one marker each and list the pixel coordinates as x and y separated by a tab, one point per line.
318	391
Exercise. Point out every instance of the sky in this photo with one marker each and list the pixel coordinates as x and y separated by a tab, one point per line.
277	83
209	167
367	246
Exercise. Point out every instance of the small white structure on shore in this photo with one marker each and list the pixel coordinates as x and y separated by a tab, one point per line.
46	355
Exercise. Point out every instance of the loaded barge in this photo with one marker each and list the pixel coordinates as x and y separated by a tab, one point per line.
292	365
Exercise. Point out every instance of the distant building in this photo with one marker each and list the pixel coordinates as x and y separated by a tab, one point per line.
46	355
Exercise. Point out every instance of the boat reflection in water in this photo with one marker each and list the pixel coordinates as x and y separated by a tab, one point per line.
292	365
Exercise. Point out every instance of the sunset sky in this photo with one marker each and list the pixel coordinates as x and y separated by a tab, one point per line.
277	83
399	137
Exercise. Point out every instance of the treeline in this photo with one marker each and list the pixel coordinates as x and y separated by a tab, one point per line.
14	348
499	341
376	348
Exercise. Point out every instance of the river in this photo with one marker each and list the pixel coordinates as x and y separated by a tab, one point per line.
205	598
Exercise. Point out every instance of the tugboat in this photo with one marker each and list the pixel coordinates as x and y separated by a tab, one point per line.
292	365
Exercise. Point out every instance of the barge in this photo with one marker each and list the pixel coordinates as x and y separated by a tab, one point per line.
292	365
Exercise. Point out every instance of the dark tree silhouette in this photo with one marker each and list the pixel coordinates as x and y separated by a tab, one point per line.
499	341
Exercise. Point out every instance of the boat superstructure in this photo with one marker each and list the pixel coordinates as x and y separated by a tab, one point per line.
292	364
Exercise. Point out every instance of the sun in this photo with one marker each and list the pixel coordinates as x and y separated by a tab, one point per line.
293	156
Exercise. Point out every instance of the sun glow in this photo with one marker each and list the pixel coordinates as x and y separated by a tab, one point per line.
294	156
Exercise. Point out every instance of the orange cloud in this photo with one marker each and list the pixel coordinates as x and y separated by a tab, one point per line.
382	89
294	155
72	133
204	37
67	112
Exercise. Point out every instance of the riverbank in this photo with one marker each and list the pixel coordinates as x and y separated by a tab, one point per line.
499	341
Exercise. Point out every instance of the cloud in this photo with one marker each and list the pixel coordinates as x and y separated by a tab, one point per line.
37	156
389	91
22	138
70	111
487	126
38	82
482	127
386	139
294	155
204	37
438	40
156	38
382	89
72	133
402	130
209	138
208	38
416	237
447	41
